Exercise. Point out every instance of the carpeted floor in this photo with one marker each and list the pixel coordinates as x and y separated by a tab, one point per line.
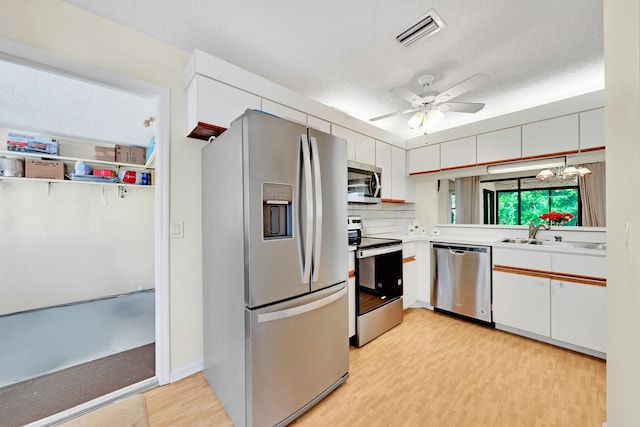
40	397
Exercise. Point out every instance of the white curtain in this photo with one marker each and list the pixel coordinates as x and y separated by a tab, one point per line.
468	200
593	193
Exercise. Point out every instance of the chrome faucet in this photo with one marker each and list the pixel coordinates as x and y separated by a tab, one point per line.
533	229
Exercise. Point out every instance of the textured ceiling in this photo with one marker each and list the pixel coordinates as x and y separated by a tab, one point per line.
40	101
343	53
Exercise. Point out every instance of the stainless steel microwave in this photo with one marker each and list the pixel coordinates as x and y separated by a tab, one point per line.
364	183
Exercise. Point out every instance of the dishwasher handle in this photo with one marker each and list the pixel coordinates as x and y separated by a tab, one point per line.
460	249
457	251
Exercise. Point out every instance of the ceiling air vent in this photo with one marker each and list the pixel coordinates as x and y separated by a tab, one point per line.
430	24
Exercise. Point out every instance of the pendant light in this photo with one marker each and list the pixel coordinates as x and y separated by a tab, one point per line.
567	172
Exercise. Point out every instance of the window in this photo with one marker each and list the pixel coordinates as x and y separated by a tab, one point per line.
453	207
518	201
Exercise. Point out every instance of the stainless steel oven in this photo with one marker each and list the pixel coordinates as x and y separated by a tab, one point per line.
364	183
379	287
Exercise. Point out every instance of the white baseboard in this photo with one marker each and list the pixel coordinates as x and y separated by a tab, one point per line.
421	304
185	371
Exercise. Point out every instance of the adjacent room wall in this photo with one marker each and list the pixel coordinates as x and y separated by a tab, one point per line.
622	132
72	33
71	242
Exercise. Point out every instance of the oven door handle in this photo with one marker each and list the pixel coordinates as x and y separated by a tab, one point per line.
366	253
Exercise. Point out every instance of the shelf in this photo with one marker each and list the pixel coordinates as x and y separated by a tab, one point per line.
69	181
151	162
76	159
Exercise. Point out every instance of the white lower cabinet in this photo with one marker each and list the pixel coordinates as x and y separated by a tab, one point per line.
560	296
352	294
409	274
423	258
522	302
578	314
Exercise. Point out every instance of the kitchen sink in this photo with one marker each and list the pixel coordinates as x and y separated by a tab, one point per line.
563	244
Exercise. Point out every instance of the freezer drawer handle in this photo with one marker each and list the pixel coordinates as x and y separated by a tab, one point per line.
296	311
456	252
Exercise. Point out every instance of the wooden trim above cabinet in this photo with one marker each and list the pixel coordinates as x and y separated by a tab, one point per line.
567	277
205	131
422	172
586	150
556	154
393	200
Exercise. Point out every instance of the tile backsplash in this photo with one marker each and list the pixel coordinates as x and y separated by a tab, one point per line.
384	217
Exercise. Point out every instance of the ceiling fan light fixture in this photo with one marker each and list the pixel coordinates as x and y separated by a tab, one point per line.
416	120
435	116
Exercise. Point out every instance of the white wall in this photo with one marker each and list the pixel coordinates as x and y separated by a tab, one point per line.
65	30
71	242
622	133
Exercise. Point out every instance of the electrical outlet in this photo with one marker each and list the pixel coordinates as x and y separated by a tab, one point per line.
177	229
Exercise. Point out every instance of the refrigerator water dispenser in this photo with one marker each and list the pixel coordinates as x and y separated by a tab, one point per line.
277	210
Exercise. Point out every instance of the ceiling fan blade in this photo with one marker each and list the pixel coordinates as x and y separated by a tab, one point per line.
463	87
407	95
461	107
397	113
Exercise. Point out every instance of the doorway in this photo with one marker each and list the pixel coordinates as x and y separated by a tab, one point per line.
84	291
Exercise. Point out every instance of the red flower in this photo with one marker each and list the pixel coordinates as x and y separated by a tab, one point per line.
556	218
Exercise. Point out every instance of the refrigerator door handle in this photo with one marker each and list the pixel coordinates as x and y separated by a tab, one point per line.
308	238
296	311
317	182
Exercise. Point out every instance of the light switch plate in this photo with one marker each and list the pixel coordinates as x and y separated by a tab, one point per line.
177	229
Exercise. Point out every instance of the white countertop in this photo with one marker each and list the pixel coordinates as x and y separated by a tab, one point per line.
494	241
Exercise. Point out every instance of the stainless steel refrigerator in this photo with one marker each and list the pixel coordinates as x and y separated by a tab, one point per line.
274	224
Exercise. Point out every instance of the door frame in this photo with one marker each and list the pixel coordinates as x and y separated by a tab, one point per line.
36	58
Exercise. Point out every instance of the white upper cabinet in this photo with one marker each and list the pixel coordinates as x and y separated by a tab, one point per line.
319	124
457	153
365	149
402	185
592	129
501	145
396	184
383	161
284	111
350	136
553	136
360	148
424	159
213	103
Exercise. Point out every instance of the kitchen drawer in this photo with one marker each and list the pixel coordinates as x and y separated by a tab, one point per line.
582	265
533	260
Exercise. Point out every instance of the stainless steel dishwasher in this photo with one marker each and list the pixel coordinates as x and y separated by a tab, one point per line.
461	280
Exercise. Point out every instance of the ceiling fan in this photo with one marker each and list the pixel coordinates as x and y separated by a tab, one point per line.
431	105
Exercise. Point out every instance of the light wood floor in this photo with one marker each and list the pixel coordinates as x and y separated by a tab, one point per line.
432	370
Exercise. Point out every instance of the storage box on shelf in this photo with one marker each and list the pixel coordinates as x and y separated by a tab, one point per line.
46	169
